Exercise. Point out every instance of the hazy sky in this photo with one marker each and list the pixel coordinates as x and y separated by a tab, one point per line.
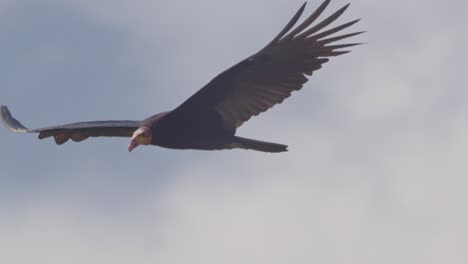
376	171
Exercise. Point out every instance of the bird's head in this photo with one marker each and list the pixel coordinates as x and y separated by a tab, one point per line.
141	136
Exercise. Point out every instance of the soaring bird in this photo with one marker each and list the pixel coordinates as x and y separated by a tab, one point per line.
208	120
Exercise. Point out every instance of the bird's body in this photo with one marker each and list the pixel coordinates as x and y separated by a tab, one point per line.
186	133
208	120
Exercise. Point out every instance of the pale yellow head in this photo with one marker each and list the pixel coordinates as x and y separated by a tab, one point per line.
141	136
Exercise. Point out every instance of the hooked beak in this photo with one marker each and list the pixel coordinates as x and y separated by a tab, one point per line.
133	144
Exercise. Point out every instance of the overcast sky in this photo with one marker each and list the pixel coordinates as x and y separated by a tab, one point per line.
376	170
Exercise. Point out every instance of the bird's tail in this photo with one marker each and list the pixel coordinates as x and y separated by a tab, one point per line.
246	143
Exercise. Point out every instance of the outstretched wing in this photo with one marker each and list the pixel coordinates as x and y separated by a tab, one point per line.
268	77
76	131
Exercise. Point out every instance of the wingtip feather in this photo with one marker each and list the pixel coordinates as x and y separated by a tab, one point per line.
323	23
338	38
10	122
290	24
331	31
309	20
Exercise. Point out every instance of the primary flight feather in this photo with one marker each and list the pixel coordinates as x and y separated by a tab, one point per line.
208	119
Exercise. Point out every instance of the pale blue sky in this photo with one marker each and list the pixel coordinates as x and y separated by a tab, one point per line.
376	171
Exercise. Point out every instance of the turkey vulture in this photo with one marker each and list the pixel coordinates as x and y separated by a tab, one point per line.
208	119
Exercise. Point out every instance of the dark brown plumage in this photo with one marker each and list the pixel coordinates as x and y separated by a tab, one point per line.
208	119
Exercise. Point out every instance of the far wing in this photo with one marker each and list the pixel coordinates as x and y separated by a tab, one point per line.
76	131
270	76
